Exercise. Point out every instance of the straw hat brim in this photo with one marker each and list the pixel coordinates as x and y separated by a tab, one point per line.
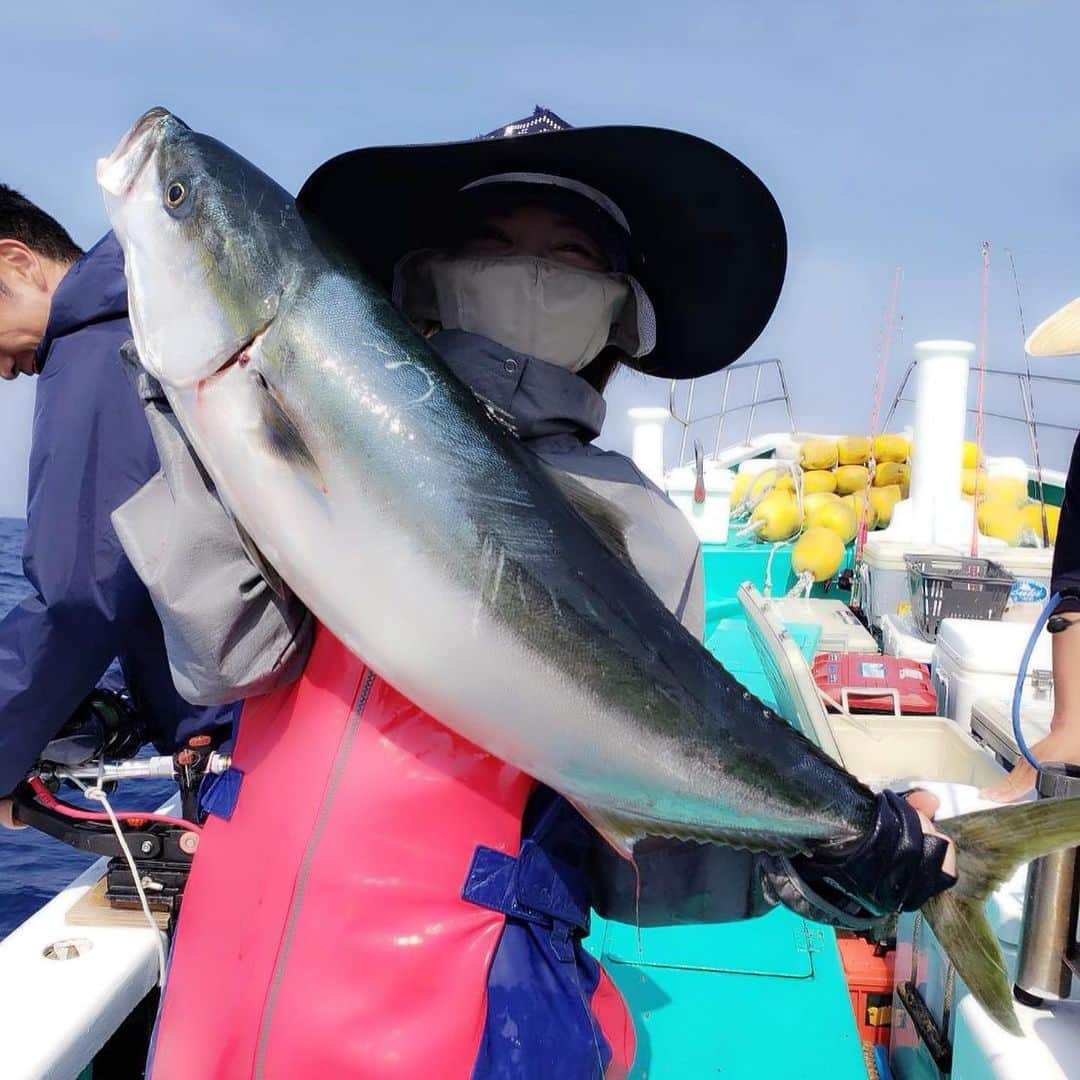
1058	335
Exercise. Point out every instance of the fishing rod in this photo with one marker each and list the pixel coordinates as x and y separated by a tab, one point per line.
984	292
884	349
1029	403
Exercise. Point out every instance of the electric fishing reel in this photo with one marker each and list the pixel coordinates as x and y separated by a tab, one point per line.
93	752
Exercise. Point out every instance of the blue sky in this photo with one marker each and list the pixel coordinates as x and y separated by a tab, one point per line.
890	133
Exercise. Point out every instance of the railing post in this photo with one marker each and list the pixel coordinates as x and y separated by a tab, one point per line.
753	405
787	396
723	409
689	419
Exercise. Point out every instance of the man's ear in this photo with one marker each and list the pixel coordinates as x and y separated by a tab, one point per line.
20	263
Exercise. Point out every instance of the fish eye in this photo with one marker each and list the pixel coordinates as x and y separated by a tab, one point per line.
175	194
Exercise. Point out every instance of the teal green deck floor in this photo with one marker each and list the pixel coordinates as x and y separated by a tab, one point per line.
765	998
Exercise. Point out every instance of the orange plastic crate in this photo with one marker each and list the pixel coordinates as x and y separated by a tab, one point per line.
869	974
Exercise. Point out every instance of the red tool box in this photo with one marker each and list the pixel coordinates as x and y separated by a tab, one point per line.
858	683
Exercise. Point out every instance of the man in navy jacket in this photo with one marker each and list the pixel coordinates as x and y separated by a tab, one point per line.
63	317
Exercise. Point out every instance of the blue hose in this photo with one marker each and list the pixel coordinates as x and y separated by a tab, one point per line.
1021	676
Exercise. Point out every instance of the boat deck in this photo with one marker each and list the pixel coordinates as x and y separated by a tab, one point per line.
763	997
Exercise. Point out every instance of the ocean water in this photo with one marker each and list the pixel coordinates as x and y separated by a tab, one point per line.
34	866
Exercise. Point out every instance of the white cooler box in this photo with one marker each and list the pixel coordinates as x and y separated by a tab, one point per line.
977	659
900	638
991	724
840	630
1031	568
894	751
885	576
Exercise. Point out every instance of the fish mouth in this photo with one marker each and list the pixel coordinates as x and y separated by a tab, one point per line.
116	174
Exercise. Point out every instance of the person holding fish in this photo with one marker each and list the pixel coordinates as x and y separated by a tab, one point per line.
505	689
85	643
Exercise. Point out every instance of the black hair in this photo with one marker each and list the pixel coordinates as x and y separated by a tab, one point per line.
21	220
599	371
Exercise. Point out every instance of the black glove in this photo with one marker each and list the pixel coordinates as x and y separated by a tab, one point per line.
895	867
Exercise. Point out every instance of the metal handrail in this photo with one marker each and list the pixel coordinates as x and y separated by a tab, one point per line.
721	414
1027	401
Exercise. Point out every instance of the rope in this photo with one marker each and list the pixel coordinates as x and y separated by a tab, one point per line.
46	798
98	794
979	404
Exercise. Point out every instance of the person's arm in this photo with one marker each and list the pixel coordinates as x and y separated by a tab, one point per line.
1063	742
56	644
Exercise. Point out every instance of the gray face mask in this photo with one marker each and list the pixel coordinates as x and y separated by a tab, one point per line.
539	307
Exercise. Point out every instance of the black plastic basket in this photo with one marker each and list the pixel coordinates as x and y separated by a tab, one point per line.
955	587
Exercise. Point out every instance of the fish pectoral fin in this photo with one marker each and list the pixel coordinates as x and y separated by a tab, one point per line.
283	437
607	520
259	561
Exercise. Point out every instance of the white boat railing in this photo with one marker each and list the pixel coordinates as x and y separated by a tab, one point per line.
67	984
66	989
684	414
1024	387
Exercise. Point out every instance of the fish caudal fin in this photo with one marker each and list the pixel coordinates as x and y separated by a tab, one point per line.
990	844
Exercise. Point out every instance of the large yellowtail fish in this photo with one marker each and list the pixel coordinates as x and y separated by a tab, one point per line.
434	545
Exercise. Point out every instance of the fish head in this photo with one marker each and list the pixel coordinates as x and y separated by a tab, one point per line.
207	240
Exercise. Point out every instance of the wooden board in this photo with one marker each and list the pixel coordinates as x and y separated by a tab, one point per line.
94	910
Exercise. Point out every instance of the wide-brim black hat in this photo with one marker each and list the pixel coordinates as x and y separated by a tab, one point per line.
709	243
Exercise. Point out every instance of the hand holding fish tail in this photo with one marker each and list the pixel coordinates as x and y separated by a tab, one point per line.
897	866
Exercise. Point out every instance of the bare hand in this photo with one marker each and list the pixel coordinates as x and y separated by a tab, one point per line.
7	820
927	805
1062	744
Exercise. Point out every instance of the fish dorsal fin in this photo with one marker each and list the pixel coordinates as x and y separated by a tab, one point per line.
258	559
605	518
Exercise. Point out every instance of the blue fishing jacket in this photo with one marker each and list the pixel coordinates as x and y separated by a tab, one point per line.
91	451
